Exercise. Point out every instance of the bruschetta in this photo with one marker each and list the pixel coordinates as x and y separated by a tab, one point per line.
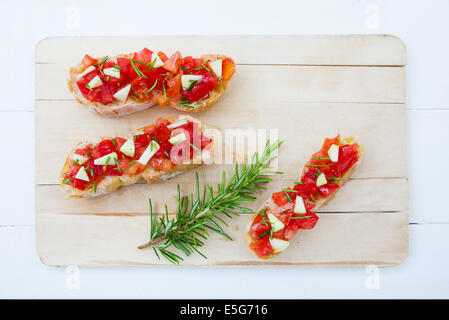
156	152
278	220
124	84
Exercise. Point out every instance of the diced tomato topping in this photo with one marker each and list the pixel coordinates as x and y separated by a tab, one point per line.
144	55
280	198
160	84
163	56
130	166
151	129
86	62
228	68
172	64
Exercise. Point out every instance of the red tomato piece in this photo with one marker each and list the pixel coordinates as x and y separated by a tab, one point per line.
262	247
144	55
105	147
125	67
141	141
228	68
163	56
160	164
150	130
128	168
172	64
86	62
162	133
306	223
279	198
119	141
199	91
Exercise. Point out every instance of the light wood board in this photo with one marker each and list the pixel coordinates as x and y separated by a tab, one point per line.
307	87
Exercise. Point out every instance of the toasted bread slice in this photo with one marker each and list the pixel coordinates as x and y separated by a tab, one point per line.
214	95
320	201
150	175
133	104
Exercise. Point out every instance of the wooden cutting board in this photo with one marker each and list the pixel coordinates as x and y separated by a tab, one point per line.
307	87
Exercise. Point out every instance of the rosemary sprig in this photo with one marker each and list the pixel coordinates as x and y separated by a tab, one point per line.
199	214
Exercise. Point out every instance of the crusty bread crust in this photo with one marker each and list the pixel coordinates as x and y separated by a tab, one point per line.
131	105
322	201
111	183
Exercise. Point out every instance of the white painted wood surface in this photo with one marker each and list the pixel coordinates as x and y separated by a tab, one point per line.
423	274
301	86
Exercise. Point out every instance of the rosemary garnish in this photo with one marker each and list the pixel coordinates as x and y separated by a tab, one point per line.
183	101
185	69
139	73
302	217
334	179
114	142
290	190
299	182
152	87
322	165
197	215
264	234
288	197
68	180
95	187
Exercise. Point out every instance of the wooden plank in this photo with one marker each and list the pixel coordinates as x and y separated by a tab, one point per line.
337	240
276	84
364	195
60	125
381	50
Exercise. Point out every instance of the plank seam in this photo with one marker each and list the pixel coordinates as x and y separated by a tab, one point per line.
139	214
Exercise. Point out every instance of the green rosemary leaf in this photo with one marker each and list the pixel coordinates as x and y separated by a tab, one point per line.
199	213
